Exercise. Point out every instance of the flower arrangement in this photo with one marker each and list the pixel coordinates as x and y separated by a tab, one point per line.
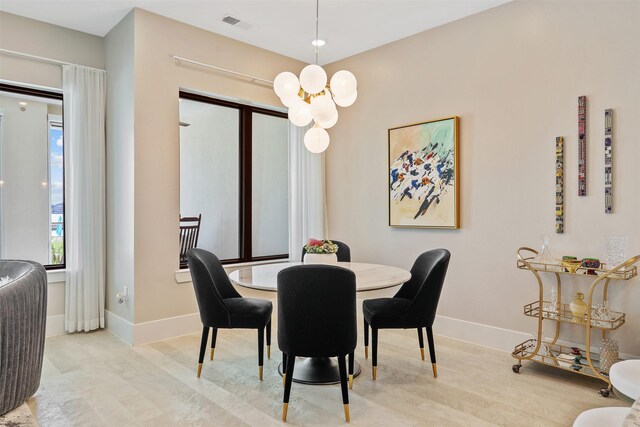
316	246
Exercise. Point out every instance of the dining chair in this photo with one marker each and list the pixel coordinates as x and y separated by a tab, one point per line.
343	254
413	306
222	307
317	318
189	232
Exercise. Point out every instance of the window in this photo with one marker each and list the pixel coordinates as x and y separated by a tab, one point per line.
31	176
234	172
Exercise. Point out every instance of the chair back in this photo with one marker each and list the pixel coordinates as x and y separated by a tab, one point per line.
317	311
189	232
343	254
424	287
212	286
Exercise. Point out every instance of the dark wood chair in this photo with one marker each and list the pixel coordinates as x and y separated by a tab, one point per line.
317	318
189	232
413	306
222	307
343	254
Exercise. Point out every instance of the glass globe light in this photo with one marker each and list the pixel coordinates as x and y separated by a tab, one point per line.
300	113
346	102
330	123
316	139
286	84
343	84
313	79
322	108
288	101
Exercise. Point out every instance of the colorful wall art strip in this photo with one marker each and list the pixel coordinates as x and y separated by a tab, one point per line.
582	146
608	145
559	185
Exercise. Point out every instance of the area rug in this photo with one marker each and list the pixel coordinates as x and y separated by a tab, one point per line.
19	417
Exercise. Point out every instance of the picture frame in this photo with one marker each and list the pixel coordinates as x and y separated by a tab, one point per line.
423	174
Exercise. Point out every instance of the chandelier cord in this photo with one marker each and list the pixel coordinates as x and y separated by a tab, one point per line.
317	24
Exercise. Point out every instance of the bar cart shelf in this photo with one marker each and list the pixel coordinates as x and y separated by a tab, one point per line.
548	351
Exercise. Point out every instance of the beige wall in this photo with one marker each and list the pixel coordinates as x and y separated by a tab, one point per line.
38	38
513	74
51	41
157	162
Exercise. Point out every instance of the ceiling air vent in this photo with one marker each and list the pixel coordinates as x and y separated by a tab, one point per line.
230	20
236	22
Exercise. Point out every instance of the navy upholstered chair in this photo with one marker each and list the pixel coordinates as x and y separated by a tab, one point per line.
343	254
413	306
222	307
317	318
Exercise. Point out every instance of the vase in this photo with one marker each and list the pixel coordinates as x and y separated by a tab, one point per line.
310	258
608	354
578	307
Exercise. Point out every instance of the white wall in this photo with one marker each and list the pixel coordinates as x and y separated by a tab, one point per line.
513	74
270	179
209	185
24	217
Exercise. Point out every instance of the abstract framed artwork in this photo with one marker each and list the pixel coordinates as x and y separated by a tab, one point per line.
424	184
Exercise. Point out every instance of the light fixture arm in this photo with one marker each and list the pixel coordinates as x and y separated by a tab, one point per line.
317	25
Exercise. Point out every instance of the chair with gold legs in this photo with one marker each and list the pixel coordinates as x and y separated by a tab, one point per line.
222	307
317	318
413	306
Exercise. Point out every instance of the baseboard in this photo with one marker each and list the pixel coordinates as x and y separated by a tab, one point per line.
477	333
55	325
161	329
492	336
119	327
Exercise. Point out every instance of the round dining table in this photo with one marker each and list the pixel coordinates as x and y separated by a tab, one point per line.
370	280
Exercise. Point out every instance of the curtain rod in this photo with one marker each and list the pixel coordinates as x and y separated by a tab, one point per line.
42	58
224	70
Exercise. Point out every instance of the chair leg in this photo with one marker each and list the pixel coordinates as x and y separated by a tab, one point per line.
343	385
284	367
203	348
291	360
366	340
421	342
374	351
260	351
432	351
351	366
269	339
214	336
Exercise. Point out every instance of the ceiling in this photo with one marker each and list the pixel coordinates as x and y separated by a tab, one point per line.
283	26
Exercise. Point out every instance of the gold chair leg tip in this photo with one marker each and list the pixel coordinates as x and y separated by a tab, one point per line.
350	381
346	413
199	369
435	370
422	353
284	412
374	373
213	350
366	352
260	370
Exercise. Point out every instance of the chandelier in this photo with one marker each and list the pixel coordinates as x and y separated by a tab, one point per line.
310	98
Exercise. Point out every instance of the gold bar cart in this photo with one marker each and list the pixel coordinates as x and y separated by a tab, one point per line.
550	352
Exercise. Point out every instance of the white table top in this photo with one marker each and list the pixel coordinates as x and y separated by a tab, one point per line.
368	276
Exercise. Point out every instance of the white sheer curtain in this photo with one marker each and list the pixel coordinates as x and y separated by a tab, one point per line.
307	201
84	144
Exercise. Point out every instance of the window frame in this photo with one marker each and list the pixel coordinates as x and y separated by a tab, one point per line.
245	137
42	93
